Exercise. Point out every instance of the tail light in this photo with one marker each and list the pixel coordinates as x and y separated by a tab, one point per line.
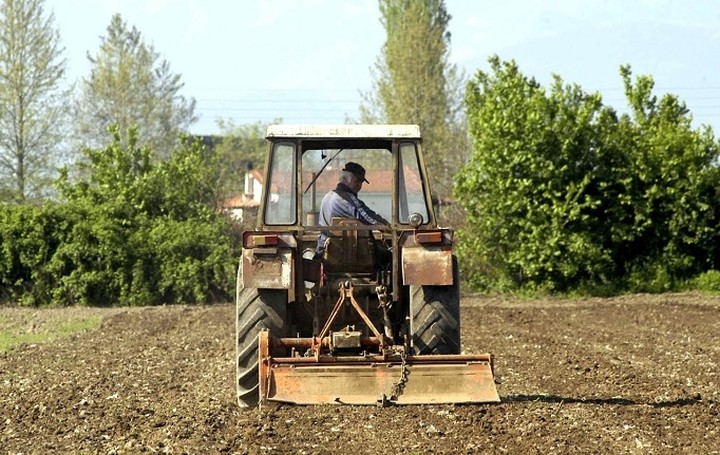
258	240
424	237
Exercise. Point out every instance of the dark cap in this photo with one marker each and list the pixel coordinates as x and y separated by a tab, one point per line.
356	169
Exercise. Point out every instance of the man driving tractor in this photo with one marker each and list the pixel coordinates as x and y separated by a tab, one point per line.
343	202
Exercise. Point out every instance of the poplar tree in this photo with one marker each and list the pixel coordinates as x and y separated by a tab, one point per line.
414	82
32	100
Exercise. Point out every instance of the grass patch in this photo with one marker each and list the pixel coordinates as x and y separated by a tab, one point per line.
10	340
24	326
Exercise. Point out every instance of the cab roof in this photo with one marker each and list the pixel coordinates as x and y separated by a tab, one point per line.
344	131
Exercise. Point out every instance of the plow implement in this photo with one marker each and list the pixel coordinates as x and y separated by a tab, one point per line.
374	378
344	367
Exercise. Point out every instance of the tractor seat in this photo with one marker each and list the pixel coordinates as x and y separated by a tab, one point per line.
349	251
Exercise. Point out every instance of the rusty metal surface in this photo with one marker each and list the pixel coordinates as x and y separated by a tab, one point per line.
372	379
349	248
372	382
345	294
267	268
346	339
423	266
306	343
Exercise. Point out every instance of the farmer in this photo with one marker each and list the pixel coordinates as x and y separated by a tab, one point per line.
343	202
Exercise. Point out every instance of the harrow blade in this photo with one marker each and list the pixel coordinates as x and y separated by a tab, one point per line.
376	379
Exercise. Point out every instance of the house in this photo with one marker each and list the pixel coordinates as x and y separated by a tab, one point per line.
249	199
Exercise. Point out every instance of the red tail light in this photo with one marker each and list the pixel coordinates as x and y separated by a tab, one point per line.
429	237
256	240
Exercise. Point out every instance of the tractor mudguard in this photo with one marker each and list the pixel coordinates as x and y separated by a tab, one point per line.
427	265
267	268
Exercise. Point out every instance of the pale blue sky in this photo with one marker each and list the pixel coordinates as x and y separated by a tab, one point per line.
305	61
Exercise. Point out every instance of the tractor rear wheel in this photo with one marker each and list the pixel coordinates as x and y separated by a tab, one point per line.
257	309
435	317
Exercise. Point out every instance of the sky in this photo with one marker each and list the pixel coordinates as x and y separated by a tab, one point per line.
309	61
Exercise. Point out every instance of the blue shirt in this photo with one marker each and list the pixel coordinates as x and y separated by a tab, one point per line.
342	202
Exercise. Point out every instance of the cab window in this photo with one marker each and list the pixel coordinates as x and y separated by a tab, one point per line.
411	194
280	198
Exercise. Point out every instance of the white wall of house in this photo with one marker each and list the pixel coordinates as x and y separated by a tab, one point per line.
253	185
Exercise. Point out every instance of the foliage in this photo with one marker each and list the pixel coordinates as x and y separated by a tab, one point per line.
415	83
672	190
708	281
32	104
129	86
29	236
134	231
561	194
241	149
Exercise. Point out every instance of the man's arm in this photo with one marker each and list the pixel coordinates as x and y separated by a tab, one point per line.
345	204
365	213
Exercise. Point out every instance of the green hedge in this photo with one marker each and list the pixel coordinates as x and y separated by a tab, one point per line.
563	194
130	230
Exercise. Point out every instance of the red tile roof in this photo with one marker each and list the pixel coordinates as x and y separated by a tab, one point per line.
240	201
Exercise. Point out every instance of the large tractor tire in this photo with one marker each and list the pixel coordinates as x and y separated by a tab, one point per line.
257	309
435	317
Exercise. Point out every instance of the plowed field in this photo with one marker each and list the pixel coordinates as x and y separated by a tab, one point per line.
636	374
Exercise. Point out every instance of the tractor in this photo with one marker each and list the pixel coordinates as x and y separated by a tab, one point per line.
371	316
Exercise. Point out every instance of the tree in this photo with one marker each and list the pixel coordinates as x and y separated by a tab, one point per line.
241	149
672	193
31	99
415	83
562	194
143	231
529	187
130	87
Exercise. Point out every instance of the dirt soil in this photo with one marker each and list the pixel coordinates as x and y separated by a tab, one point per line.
636	374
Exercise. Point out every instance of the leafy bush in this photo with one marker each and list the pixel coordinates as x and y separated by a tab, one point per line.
29	237
129	230
708	281
563	194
